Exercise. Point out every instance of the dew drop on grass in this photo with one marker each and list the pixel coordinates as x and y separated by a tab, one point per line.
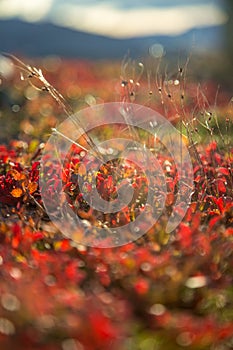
50	280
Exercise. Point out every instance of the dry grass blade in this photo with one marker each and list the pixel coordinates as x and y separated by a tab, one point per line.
33	72
36	73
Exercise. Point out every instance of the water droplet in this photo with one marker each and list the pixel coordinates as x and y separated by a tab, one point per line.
81	248
81	264
86	223
156	50
221	301
196	282
15	273
50	280
146	266
6	326
123	255
106	298
31	93
110	151
90	100
170	271
52	63
148	344
10	302
15	108
71	344
82	154
46	322
6	67
157	309
184	339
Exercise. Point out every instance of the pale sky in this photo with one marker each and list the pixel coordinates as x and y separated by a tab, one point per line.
119	18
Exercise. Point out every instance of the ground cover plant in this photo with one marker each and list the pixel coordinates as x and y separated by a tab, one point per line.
162	291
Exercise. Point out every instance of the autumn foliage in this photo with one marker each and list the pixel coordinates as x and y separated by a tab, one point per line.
163	291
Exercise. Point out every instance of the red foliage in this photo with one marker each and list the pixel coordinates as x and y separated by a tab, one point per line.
55	294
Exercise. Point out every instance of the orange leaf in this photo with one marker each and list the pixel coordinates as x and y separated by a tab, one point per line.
16	192
82	170
17	175
32	187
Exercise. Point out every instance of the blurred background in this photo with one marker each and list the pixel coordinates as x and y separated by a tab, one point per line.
109	29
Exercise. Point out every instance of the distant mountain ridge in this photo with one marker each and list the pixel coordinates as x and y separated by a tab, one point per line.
41	39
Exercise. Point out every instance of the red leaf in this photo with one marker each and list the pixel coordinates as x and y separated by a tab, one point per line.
220	204
37	236
185	235
102	328
65	245
221	186
191	210
109	182
212	146
223	171
213	221
141	286
197	179
203	245
218	158
228	232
